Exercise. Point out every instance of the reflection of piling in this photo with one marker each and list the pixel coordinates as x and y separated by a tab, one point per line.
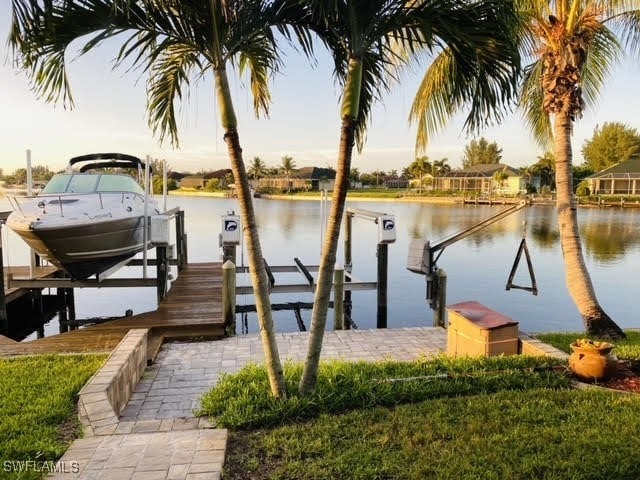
346	324
338	299
62	310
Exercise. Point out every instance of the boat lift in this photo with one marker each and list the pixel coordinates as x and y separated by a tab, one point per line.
423	257
344	281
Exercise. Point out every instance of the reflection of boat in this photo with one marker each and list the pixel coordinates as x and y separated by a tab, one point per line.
87	221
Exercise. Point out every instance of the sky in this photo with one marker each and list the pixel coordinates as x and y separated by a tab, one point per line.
110	116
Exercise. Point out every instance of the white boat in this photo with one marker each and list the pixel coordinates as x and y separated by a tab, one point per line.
90	220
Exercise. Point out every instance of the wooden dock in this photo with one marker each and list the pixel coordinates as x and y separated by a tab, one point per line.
11	294
192	308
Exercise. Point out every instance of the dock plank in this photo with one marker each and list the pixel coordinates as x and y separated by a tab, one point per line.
192	307
11	294
6	340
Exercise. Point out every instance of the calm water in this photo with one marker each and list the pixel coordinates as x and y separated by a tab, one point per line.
477	267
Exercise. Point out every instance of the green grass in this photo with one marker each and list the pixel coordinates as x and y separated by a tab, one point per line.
37	398
627	349
497	418
243	400
532	434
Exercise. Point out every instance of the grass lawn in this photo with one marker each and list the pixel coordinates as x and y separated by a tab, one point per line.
498	418
627	349
37	407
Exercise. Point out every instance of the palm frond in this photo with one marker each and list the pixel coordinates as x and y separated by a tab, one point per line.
164	39
434	102
477	68
261	59
170	74
604	52
40	36
531	101
626	24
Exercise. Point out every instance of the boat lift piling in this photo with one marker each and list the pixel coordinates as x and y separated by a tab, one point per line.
4	319
386	235
344	282
423	256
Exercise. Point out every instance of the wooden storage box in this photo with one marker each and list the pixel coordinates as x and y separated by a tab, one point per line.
475	330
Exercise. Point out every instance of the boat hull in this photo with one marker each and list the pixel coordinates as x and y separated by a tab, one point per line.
85	249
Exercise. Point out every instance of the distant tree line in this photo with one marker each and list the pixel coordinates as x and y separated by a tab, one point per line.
611	143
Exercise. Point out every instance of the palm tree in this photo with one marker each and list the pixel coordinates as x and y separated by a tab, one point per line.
257	169
287	167
573	46
173	42
367	39
440	167
418	168
545	169
354	177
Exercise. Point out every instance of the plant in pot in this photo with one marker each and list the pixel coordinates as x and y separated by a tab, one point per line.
592	360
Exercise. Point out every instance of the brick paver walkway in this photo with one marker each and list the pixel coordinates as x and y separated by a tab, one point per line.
171	388
159	438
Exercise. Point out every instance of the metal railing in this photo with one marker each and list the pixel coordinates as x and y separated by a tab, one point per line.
62	199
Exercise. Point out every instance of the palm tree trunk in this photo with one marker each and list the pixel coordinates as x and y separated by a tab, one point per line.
349	111
579	284
328	260
258	273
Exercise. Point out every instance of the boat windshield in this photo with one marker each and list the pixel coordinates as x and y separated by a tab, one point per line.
91	183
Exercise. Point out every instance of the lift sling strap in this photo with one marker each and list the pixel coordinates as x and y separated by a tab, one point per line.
534	286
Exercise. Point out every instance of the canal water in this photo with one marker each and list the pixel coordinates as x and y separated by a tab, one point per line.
477	266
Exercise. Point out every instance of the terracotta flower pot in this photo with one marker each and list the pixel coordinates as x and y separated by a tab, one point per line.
592	361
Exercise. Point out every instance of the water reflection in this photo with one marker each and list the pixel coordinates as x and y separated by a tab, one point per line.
610	234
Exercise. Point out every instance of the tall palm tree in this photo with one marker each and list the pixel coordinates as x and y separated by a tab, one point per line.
287	167
440	167
174	42
367	40
573	46
545	168
257	168
418	168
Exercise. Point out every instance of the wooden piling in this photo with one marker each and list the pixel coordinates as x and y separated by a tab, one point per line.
162	272
347	243
4	319
229	253
440	310
383	260
229	297
181	241
338	299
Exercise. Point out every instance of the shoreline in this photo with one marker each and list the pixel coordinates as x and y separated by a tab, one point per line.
413	199
317	198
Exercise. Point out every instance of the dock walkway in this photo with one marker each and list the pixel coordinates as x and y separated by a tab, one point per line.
192	307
